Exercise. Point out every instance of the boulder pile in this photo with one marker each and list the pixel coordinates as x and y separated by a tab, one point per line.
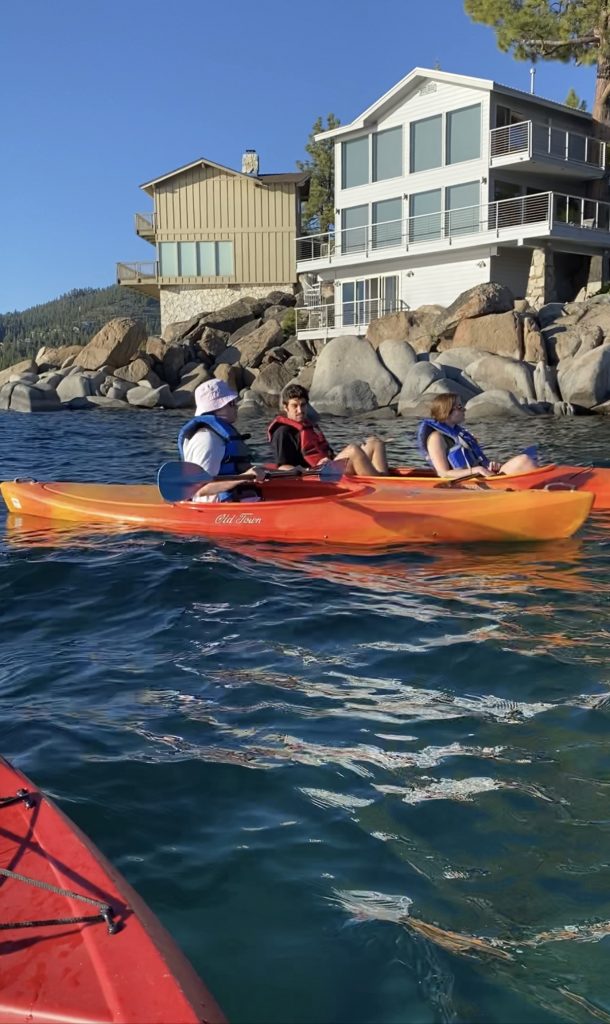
500	355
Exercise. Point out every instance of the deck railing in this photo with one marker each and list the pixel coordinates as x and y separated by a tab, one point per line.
534	139
145	223
136	271
549	208
359	313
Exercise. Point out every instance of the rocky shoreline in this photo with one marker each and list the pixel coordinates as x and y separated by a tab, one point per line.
500	355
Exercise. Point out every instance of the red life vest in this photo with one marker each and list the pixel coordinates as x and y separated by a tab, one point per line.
314	446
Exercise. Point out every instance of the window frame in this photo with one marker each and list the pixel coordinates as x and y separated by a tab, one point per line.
412	125
198	257
448	114
374	136
347	142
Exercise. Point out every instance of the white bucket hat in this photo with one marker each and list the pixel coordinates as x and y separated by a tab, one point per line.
212	395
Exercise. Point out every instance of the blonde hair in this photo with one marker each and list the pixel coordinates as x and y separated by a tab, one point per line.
442	407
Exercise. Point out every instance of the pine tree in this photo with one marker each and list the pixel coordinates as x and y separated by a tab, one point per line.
573	100
565	30
319	210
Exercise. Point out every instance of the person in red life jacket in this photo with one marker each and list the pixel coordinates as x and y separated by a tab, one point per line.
296	441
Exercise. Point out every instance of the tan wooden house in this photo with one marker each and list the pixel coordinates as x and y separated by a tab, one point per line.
218	234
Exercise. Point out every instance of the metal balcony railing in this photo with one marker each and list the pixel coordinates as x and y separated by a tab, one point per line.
145	223
137	271
359	313
550	209
533	139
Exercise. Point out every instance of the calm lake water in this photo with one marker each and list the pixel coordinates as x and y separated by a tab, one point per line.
354	788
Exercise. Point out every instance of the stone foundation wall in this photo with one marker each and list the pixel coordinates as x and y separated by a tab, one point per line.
541	281
178	303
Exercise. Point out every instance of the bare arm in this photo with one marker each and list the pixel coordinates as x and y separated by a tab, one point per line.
438	457
255	473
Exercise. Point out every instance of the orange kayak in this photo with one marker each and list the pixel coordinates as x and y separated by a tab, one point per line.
596	480
78	944
350	514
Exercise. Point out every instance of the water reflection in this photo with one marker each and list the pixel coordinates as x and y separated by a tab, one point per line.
431	727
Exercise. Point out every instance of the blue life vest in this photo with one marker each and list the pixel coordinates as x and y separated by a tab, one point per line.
236	458
465	451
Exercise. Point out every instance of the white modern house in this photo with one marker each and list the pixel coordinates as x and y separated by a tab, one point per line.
447	182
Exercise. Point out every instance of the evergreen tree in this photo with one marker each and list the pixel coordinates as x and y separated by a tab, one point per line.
72	319
573	100
565	30
319	210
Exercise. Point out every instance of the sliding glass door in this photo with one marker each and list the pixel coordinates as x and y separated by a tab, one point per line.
367	299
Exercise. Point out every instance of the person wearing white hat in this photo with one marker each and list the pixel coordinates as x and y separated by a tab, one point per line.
211	440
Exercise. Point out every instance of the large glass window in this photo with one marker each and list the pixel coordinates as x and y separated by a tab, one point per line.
464	134
355	162
387	223
426	143
196	259
347	302
425	216
188	259
168	259
224	258
215	258
387	154
389	295
354	224
462	208
207	258
576	147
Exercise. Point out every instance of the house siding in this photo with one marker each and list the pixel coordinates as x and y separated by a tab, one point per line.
433	280
420	104
511	267
207	204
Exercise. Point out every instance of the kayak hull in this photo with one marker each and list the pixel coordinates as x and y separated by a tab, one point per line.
80	972
299	511
595	480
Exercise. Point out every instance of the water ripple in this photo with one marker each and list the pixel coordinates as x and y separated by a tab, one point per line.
423	828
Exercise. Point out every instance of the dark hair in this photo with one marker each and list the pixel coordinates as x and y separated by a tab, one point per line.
294	391
442	406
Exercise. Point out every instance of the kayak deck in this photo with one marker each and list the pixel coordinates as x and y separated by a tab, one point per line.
352	514
593	479
69	966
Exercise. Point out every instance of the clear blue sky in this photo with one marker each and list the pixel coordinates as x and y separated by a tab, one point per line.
101	95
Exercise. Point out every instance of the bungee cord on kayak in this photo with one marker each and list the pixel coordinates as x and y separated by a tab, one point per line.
106	913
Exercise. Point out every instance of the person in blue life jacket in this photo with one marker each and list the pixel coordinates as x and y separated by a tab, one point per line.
453	451
211	440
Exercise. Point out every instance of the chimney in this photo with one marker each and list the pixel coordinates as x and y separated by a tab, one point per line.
249	162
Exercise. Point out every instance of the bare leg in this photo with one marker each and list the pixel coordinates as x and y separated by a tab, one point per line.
358	461
518	464
374	448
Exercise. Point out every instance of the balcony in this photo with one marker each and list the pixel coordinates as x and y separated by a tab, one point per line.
325	320
143	276
145	226
546	148
584	223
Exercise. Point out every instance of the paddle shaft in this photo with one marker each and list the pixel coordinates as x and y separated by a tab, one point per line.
312	471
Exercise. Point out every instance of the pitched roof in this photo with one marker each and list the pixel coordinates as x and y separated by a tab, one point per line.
298	177
420	75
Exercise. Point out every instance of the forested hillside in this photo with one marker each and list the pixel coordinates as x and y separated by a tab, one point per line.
72	318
